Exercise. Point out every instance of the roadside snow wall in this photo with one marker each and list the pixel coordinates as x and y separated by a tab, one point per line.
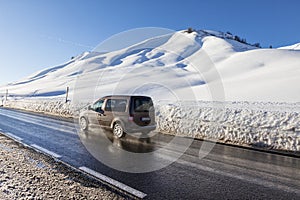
48	106
271	125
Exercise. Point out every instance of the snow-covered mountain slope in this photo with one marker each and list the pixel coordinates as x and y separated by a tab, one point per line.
292	47
202	65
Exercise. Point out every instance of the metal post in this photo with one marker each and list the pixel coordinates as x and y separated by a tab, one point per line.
67	94
6	95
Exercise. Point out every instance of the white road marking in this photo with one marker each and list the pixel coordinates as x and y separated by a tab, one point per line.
13	136
46	151
114	182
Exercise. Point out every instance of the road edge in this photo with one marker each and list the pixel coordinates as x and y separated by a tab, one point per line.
98	181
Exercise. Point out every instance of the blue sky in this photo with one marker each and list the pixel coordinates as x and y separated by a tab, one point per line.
36	34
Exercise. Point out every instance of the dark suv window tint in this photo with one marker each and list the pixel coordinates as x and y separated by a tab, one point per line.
116	105
97	105
142	104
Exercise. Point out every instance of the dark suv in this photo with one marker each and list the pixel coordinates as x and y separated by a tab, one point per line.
122	114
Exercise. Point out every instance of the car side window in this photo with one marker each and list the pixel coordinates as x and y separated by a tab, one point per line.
108	105
120	105
142	104
116	105
98	105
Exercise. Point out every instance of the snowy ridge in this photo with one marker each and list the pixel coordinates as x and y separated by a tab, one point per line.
248	73
292	47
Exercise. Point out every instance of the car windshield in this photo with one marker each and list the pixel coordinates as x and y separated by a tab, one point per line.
142	104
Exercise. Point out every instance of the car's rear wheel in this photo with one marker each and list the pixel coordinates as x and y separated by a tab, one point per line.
83	123
118	130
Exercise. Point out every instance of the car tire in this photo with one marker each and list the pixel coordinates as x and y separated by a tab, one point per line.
83	123
118	130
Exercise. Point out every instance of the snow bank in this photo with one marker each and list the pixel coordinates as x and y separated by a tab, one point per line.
53	106
272	125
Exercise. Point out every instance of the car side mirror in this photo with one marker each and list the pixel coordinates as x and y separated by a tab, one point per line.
89	108
99	110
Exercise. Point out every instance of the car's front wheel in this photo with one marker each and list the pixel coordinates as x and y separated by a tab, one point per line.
118	130
83	123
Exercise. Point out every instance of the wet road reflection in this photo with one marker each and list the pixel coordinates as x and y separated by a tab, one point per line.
130	143
227	172
133	153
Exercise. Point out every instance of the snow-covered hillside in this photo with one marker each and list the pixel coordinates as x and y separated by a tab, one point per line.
292	47
204	67
188	64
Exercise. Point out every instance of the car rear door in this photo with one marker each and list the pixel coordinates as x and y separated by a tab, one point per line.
142	110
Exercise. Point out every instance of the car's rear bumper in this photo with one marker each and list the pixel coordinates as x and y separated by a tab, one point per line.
133	128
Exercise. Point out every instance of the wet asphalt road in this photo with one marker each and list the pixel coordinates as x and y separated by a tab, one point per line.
226	172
